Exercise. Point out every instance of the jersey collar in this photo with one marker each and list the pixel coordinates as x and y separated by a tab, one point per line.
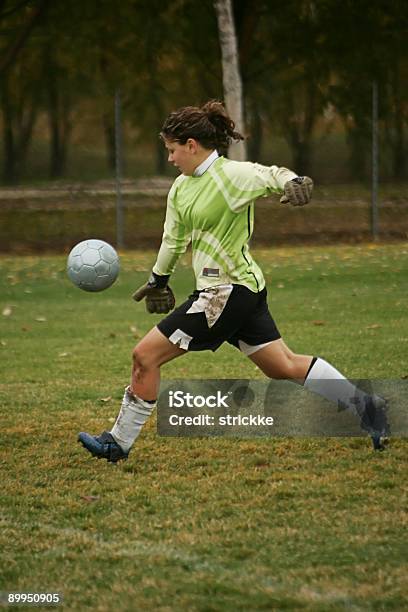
203	167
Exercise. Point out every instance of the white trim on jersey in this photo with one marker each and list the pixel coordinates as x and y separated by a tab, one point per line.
203	167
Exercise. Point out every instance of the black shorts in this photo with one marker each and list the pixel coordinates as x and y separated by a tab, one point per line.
212	316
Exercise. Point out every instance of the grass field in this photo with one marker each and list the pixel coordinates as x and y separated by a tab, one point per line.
198	524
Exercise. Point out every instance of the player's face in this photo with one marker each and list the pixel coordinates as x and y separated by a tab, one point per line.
182	156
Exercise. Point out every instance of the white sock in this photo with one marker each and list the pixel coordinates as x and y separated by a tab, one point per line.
133	414
328	382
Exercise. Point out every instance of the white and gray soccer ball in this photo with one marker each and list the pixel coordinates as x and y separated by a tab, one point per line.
93	265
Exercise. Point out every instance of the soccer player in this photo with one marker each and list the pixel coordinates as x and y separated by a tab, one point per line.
211	205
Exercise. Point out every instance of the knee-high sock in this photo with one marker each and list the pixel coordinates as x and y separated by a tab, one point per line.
133	414
328	382
323	379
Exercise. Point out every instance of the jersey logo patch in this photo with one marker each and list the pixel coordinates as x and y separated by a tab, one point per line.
211	272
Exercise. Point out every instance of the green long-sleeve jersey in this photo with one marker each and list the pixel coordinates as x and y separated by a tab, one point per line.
215	212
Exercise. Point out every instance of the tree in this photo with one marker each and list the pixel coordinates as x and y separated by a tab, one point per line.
396	118
20	94
231	77
29	17
69	65
20	100
364	42
292	75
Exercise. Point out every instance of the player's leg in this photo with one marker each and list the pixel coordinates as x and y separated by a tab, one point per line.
139	399
276	360
260	340
202	322
153	351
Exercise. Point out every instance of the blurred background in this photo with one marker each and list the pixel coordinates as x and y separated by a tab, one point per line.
85	87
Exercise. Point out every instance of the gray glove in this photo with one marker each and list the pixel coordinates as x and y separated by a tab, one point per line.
159	297
297	191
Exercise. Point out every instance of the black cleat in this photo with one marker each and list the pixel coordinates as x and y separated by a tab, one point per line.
379	442
374	421
103	446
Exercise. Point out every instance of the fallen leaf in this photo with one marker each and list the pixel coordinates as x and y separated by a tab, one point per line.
135	331
40	319
105	399
7	310
319	322
3	343
373	326
90	498
25	329
63	354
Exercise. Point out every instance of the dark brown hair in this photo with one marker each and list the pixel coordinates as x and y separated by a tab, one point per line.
209	125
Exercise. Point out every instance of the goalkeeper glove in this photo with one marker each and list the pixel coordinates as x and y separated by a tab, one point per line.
159	297
297	191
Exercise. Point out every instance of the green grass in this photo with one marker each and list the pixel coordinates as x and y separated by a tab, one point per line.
198	524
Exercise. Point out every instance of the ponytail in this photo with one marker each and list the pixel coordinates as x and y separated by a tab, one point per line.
209	125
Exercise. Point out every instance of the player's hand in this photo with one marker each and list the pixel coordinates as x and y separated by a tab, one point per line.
297	191
159	296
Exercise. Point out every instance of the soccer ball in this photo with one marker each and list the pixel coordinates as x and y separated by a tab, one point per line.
93	265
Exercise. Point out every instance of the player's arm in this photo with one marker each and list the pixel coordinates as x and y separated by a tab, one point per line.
158	294
253	180
295	190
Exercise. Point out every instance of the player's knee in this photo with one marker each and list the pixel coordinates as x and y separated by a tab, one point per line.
142	359
293	369
286	369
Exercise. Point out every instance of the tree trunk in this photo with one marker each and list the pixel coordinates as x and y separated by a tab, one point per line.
231	76
10	54
299	126
398	150
108	120
26	127
301	159
255	132
18	122
160	158
160	161
398	144
156	101
359	143
59	123
9	161
109	132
